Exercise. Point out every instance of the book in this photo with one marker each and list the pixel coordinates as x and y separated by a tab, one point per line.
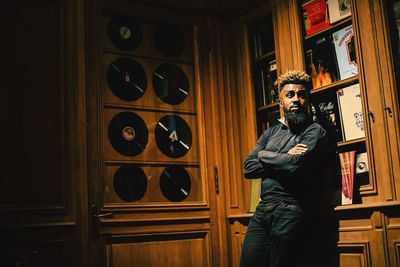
347	171
325	111
265	74
343	41
321	61
351	115
272	75
338	10
315	16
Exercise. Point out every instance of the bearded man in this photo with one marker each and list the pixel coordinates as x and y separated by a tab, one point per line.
289	159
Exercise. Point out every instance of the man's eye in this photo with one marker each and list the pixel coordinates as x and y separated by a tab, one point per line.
301	94
290	94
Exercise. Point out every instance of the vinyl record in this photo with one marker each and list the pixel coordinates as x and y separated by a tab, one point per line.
128	133
173	136
124	32
169	40
170	84
127	79
130	183
175	183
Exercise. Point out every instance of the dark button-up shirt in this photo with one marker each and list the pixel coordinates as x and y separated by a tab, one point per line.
285	177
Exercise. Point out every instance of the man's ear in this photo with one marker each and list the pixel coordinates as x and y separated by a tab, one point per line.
280	102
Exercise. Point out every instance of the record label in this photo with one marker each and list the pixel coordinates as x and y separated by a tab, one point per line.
170	84
128	133
169	39
127	79
173	136
130	183
175	183
125	32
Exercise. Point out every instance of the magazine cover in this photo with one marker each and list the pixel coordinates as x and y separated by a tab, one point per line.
315	16
338	10
320	61
350	107
343	40
326	111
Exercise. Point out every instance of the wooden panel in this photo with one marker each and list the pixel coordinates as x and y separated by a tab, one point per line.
179	250
38	254
354	254
238	230
32	113
372	91
153	192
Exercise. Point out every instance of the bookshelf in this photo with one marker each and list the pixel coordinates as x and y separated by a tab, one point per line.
330	59
264	71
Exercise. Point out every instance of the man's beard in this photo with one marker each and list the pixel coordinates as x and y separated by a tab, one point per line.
296	120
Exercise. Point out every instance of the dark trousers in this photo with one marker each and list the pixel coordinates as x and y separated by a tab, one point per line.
275	237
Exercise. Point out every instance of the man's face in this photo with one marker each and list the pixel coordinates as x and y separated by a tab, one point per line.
293	97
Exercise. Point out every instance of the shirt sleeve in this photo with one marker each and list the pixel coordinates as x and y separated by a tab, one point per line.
315	139
252	165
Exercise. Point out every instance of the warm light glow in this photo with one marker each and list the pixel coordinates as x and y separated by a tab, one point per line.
320	78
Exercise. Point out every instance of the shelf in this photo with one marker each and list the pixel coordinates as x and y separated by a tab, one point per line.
336	85
368	206
267	55
350	142
268	106
332	27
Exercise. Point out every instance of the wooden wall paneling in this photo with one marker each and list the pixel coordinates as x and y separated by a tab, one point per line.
238	228
172	249
391	91
392	222
153	215
220	9
289	36
362	237
43	116
372	90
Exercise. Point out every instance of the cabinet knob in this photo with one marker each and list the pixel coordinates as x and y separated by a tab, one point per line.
371	115
388	111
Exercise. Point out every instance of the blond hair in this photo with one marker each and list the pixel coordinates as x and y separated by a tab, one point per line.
293	77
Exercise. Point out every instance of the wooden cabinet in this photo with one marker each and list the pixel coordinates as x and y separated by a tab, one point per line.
366	230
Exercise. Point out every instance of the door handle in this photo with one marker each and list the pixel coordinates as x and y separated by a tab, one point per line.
95	217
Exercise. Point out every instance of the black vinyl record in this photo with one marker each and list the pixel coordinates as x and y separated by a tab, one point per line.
170	84
169	39
125	32
175	183
127	79
130	183
173	136
128	133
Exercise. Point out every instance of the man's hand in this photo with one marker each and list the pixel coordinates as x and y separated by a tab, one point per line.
298	149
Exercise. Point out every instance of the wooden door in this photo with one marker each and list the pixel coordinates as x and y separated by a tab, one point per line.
43	180
151	173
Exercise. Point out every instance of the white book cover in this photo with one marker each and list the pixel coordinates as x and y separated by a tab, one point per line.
345	52
338	10
351	114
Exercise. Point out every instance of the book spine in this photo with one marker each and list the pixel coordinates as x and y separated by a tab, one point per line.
347	170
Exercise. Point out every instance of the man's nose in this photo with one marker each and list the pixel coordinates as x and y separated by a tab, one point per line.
295	98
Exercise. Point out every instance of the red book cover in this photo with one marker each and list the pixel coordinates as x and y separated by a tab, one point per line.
347	168
315	16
